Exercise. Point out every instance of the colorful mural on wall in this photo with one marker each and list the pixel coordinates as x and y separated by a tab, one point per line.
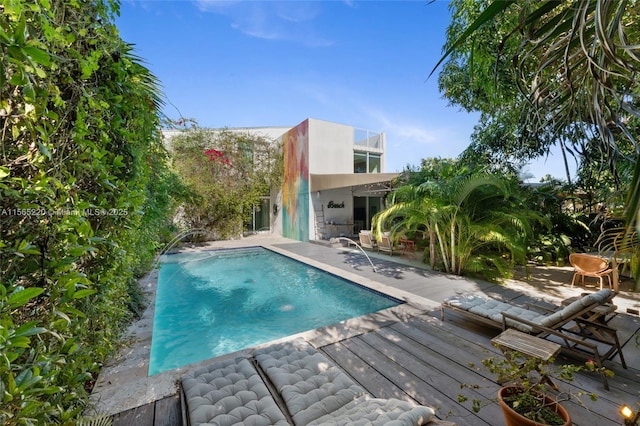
295	187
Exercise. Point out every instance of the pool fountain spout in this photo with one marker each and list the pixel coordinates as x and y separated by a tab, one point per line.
175	240
350	241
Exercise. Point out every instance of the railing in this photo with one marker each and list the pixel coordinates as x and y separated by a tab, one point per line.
367	139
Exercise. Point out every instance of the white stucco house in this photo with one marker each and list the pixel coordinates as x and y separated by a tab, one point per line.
334	180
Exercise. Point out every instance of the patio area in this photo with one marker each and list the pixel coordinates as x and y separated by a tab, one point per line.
404	352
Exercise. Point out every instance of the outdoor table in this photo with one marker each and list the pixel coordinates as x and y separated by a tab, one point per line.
512	340
408	246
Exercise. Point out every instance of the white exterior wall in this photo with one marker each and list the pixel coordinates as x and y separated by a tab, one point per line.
332	201
337	217
267	132
330	147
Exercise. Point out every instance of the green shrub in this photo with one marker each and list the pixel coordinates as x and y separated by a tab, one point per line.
86	198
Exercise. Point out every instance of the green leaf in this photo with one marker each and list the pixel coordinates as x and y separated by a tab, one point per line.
37	55
487	15
44	150
19	342
24	247
29	92
27	378
49	390
21	297
83	293
29	329
4	172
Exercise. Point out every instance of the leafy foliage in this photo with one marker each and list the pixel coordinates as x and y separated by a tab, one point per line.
227	173
568	67
526	384
574	65
86	195
565	230
474	222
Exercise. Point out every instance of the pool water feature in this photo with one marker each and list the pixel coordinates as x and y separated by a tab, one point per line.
216	302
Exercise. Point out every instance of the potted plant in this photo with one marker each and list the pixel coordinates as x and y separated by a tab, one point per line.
525	396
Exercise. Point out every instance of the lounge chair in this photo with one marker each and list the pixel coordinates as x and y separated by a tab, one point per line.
227	393
316	391
366	240
566	326
587	265
308	387
386	244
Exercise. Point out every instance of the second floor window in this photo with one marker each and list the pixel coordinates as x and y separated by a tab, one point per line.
366	162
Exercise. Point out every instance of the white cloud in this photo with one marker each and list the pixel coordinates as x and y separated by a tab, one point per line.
272	20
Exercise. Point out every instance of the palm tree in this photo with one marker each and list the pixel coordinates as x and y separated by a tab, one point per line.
473	223
577	65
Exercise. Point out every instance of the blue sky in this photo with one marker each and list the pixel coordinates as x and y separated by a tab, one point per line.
275	63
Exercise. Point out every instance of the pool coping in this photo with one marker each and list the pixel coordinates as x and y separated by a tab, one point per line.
123	382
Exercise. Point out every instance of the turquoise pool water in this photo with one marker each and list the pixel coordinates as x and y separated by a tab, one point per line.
216	302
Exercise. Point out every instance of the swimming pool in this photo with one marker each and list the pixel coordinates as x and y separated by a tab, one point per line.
216	302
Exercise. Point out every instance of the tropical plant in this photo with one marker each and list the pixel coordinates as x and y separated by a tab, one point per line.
86	196
575	67
565	230
228	172
474	223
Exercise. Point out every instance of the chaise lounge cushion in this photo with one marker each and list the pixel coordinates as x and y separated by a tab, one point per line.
229	393
310	385
493	309
383	412
570	310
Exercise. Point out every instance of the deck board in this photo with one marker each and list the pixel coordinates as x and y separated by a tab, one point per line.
442	375
364	374
139	416
164	412
168	412
405	375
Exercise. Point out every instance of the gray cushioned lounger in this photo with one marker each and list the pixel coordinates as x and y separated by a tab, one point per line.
229	393
366	411
316	391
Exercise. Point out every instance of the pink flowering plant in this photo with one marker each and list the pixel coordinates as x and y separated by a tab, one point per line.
215	155
228	173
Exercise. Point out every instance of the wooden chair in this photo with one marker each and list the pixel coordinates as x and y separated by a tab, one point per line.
587	265
386	244
566	325
366	240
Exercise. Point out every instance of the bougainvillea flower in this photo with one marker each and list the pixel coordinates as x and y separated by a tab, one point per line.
214	155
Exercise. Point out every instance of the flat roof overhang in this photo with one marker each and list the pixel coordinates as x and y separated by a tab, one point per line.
344	180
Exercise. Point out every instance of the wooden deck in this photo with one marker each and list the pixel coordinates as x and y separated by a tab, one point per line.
165	412
425	360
